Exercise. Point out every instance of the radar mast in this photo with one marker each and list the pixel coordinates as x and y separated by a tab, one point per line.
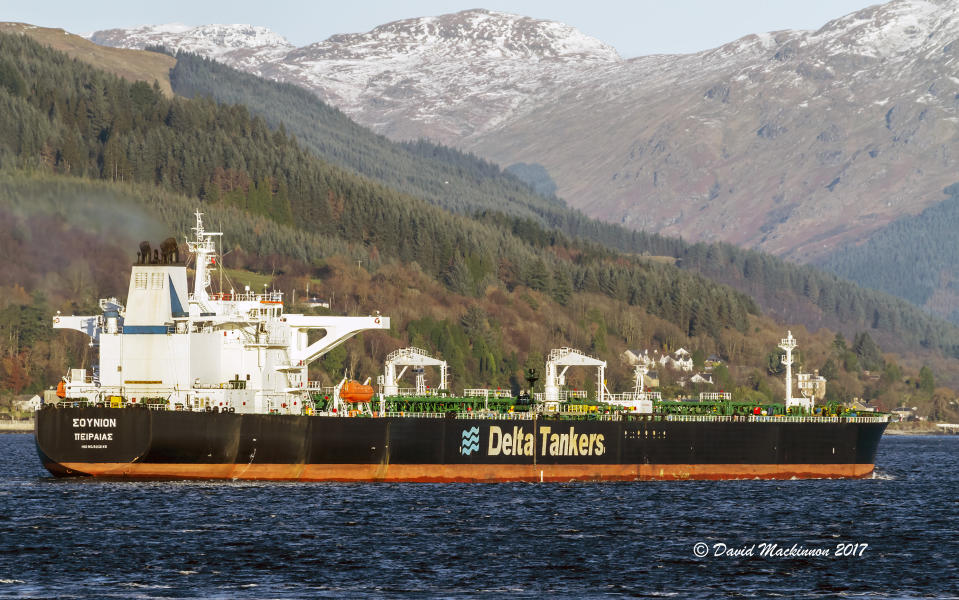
205	251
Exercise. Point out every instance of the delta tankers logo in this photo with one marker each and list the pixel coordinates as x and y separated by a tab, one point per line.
470	441
553	442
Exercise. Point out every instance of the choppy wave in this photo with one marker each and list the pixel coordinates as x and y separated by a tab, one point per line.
94	539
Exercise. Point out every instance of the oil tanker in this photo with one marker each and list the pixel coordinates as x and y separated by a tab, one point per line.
208	385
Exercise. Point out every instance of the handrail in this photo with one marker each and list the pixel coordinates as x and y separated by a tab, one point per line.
772	419
408	351
268	297
526	416
486	393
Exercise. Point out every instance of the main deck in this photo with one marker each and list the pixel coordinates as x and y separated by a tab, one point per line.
144	443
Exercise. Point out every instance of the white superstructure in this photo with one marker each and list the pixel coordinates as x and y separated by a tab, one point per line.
202	350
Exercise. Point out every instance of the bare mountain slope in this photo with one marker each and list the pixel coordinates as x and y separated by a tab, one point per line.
791	141
132	66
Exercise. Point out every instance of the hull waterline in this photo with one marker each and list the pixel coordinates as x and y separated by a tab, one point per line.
146	444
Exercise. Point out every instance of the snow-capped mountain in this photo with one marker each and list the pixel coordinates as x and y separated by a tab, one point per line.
421	77
793	141
410	78
241	46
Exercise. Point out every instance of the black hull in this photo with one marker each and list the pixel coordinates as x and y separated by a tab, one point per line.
143	443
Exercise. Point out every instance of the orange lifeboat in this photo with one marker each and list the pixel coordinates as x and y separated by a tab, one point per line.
354	391
61	389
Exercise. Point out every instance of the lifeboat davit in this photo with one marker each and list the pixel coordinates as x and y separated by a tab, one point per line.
354	391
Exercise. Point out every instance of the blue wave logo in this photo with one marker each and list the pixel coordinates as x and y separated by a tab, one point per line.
470	441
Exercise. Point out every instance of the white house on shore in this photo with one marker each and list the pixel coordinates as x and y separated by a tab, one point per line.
906	414
27	403
680	360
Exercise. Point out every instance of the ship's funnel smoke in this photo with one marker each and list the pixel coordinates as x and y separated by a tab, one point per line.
102	214
106	216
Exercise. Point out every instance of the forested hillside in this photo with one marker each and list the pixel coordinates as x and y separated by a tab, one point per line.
463	183
63	117
90	163
68	118
445	177
913	258
68	241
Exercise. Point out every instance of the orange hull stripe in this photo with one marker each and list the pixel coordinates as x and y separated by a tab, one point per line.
477	473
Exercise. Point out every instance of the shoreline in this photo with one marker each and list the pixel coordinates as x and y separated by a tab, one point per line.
16	426
923	428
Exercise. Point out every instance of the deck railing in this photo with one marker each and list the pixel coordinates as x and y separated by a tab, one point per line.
486	393
526	416
772	419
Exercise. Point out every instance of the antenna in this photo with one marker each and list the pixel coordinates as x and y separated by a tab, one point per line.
205	251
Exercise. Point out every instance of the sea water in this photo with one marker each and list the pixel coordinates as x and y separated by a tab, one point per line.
893	535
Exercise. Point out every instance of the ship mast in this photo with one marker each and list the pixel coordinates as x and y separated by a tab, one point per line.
787	344
205	251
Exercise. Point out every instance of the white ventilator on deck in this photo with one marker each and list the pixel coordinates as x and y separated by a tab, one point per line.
566	358
639	400
203	350
411	357
787	344
644	402
640	378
